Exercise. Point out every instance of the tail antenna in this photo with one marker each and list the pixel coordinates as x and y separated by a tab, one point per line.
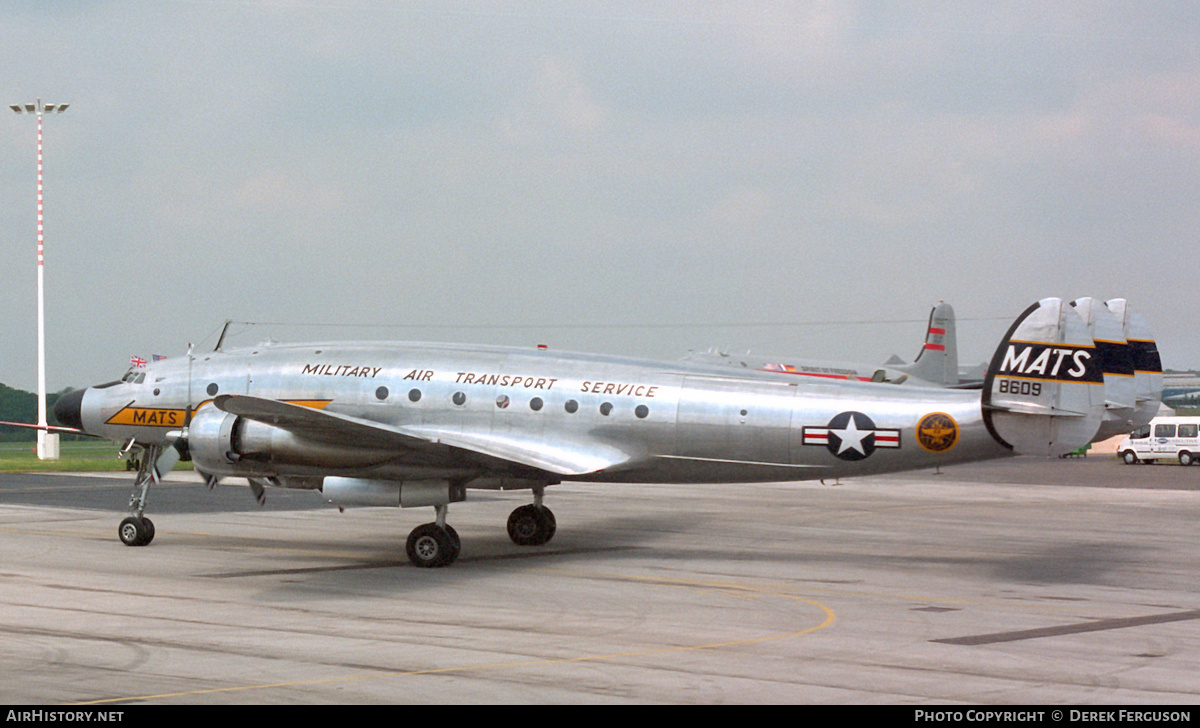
221	338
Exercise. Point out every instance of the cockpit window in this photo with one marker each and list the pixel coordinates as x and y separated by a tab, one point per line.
134	377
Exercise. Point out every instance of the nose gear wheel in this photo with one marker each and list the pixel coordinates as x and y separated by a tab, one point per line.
136	531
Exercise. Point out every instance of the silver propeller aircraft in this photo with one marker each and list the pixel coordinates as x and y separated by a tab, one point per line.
400	424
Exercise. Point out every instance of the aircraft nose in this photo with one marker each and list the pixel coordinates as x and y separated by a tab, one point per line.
68	409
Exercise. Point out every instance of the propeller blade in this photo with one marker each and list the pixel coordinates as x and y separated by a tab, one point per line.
256	487
166	461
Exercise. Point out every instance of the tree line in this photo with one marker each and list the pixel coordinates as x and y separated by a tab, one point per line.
17	405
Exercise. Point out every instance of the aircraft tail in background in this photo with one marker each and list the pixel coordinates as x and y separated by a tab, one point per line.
937	361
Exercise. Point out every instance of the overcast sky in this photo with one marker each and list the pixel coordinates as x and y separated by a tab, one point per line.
627	177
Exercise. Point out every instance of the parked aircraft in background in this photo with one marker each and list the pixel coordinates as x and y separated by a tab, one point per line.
404	424
935	365
1180	397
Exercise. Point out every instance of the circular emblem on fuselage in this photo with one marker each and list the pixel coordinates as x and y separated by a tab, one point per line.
937	432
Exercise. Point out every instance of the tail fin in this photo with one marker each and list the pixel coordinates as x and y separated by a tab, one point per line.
1147	366
938	360
1117	364
1044	389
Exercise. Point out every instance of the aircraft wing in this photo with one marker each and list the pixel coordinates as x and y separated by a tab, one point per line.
560	457
313	424
50	428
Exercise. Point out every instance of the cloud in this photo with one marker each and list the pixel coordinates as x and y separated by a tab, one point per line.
594	161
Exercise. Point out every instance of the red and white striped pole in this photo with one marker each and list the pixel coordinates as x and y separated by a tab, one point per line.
47	443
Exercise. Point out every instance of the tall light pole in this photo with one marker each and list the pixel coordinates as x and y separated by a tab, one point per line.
47	443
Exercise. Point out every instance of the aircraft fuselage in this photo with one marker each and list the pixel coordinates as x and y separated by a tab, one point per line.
671	422
413	425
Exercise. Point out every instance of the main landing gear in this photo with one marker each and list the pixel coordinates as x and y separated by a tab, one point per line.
531	525
436	544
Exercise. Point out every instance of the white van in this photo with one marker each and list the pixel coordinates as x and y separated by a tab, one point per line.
1165	438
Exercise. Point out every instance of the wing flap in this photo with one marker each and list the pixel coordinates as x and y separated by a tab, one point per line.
560	459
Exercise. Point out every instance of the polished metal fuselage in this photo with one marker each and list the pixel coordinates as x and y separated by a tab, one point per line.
676	422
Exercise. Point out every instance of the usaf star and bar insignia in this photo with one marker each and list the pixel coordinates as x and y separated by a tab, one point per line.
854	436
851	436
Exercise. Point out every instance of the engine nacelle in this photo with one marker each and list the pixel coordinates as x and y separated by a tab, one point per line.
226	444
210	441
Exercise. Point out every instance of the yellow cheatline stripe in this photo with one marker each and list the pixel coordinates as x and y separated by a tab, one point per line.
725	586
148	417
313	403
168	417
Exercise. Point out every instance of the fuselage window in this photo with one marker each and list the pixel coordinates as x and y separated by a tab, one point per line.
641	411
381	393
606	408
571	406
212	389
502	401
459	398
535	404
414	395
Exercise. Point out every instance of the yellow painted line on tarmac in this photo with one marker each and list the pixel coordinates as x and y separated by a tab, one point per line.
740	589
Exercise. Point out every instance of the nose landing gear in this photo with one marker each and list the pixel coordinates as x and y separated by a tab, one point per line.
136	529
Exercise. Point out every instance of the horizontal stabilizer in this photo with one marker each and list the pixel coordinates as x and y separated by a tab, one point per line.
1032	408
